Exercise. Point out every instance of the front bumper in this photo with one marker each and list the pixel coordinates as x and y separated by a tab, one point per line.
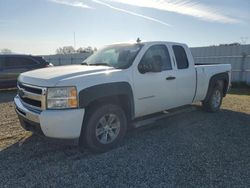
57	124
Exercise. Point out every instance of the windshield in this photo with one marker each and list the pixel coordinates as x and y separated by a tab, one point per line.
119	56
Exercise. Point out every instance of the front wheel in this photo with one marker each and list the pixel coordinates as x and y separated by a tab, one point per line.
105	127
214	101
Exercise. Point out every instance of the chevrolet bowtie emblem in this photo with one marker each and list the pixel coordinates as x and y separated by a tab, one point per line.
21	93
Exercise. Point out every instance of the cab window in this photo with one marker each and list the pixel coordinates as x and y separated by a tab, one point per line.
181	57
158	53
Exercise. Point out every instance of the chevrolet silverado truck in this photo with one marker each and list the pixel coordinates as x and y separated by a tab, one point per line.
93	104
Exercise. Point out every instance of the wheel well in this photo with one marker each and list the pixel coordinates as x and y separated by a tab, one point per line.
221	79
223	83
225	86
120	100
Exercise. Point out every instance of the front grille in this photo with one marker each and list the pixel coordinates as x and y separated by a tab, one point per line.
32	102
30	89
32	96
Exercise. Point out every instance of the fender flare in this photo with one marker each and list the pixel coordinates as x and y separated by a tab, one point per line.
93	93
213	80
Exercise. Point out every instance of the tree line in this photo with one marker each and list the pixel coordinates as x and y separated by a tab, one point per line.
71	50
61	50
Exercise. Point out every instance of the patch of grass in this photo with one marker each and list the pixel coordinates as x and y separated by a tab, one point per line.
237	100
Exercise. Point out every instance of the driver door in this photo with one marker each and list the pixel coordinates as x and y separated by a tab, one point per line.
154	91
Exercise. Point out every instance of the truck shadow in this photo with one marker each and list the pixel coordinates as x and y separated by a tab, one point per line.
185	135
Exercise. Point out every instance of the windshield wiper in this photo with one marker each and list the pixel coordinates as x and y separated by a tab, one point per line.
97	64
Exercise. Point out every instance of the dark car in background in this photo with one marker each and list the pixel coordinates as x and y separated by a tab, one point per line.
12	65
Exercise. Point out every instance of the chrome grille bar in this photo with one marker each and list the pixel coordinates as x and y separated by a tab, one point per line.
30	99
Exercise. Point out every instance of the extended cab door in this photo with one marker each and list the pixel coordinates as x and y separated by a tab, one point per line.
154	91
185	74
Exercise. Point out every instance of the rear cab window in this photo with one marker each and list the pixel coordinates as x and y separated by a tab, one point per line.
181	57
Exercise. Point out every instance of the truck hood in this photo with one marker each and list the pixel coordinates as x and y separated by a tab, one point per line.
49	77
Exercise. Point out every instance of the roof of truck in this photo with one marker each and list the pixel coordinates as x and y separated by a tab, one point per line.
148	42
152	42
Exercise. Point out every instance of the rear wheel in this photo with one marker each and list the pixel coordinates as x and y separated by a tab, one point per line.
105	127
215	99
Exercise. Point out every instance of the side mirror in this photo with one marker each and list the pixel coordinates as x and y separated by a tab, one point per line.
150	65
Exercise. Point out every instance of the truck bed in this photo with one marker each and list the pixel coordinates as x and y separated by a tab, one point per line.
203	74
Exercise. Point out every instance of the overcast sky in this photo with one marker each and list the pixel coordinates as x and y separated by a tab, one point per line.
41	26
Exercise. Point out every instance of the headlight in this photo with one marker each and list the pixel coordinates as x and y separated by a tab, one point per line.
61	98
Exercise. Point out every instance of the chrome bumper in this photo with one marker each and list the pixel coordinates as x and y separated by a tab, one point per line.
56	124
30	121
24	112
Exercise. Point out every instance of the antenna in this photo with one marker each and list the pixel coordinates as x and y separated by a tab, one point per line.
138	40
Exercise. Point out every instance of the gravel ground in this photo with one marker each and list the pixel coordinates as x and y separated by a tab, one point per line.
194	149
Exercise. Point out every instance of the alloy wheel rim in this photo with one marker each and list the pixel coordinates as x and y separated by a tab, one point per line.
216	98
108	128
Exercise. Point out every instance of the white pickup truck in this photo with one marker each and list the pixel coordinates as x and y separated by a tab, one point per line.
94	103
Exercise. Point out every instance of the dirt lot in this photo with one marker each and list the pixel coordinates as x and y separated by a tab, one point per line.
195	149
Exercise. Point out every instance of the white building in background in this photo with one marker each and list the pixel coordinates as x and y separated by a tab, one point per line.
237	55
66	59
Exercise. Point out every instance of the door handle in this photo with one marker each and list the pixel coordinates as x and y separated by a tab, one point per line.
170	78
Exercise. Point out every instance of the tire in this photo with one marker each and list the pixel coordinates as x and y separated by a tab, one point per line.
215	99
104	128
